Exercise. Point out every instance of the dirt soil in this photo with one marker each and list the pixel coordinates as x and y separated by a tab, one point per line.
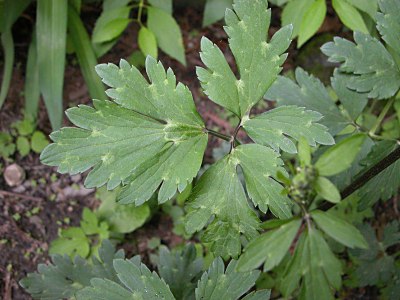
32	212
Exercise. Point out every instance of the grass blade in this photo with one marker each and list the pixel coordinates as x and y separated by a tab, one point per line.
85	53
51	41
31	89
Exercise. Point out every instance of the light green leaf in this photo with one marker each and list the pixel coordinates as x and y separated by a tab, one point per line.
293	13
258	67
51	31
370	65
109	5
85	54
269	247
273	128
167	32
340	157
121	218
370	7
311	21
23	146
304	150
180	270
38	141
349	15
165	5
111	24
388	23
24	127
214	11
218	283
72	241
327	190
309	92
219	193
147	42
338	229
64	277
136	282
352	101
152	133
260	165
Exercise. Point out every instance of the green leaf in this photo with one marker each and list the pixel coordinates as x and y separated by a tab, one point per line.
258	68
327	190
161	119
386	184
370	7
214	11
353	102
31	87
314	261
38	141
273	128
72	241
340	230
311	21
260	165
85	54
121	218
111	24
349	15
165	5
51	31
137	282
370	65
7	147
269	247
10	13
218	283
293	13
340	157
25	127
309	92
23	146
147	42
258	295
64	277
219	193
388	23
180	270
304	151
167	32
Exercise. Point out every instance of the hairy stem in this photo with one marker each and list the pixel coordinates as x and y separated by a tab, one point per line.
367	176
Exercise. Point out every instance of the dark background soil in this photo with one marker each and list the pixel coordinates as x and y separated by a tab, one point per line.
60	198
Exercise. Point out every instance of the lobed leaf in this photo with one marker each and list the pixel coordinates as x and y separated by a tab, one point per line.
152	133
388	23
218	283
372	68
310	93
273	128
247	28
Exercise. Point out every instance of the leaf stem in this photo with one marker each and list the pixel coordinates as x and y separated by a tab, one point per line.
219	135
381	116
367	176
139	16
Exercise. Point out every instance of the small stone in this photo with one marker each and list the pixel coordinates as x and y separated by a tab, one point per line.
14	175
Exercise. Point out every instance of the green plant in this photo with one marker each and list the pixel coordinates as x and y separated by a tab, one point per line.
150	139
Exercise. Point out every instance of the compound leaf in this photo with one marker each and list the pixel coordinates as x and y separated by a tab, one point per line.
136	281
309	92
218	283
273	128
270	247
150	133
219	193
247	28
372	68
388	23
339	229
180	270
64	277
